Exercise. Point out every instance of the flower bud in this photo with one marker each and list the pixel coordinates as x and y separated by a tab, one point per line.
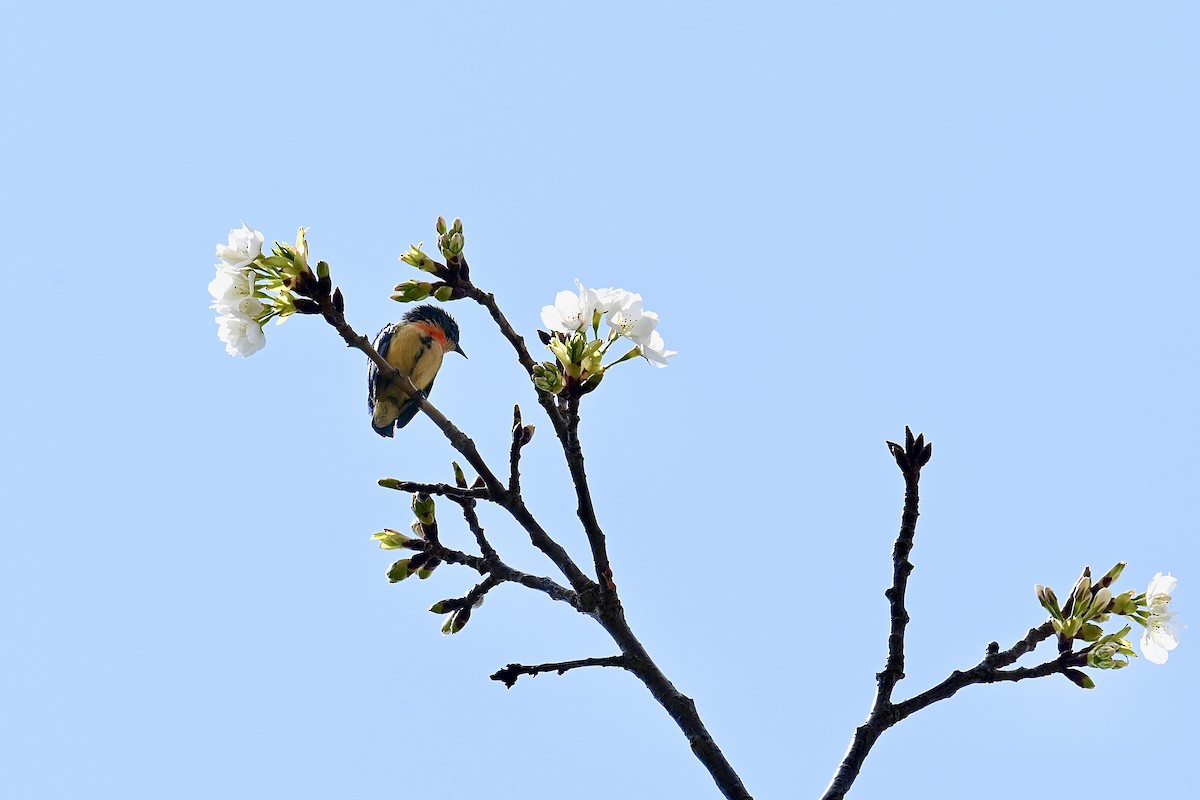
398	571
457	621
445	294
1111	576
1079	679
441	225
417	258
1124	604
428	567
447	606
423	507
391	540
460	479
1100	603
1045	596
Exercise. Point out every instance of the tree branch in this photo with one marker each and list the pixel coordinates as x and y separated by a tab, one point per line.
497	492
510	673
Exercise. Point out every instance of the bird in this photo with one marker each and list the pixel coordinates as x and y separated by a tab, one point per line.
415	346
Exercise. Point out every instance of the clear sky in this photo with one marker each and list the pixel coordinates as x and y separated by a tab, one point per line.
976	219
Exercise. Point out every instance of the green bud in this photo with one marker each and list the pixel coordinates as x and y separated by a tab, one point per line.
322	269
428	567
1100	602
417	528
423	507
1045	596
1090	633
1113	574
1068	627
416	257
562	351
389	483
284	303
1081	595
441	225
592	382
457	621
1124	604
547	377
460	479
411	291
391	540
445	294
1079	679
1106	657
447	606
456	243
399	571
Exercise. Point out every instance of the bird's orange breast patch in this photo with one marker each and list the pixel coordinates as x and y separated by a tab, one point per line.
432	330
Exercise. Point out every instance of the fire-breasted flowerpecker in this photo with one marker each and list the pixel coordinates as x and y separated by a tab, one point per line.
415	346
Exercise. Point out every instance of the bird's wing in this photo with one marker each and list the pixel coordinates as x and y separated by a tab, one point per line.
382	342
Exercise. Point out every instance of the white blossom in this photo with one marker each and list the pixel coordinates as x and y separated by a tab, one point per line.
655	351
244	246
1160	637
629	320
242	337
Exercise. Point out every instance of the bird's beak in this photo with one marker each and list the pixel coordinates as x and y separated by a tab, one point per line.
459	350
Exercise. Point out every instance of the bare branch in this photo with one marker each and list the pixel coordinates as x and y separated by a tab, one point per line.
510	673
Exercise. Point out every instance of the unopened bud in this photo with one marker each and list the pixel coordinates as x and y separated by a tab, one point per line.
460	479
391	540
411	291
527	434
1100	603
1112	574
423	507
1080	679
1045	596
446	606
1124	604
445	294
457	621
441	225
398	571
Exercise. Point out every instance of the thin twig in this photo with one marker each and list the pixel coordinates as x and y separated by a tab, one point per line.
485	547
510	673
455	493
504	572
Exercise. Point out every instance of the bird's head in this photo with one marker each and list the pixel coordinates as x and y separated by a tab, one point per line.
438	324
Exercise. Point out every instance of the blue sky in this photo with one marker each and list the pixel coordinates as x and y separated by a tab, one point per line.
975	219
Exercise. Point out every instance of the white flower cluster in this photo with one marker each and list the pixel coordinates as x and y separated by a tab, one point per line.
576	312
241	309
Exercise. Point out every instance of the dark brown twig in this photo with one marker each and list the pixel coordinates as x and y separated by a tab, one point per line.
510	673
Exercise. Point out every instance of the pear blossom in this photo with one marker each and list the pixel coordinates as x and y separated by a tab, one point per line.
630	321
608	299
655	351
244	246
571	312
230	287
242	337
1160	637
